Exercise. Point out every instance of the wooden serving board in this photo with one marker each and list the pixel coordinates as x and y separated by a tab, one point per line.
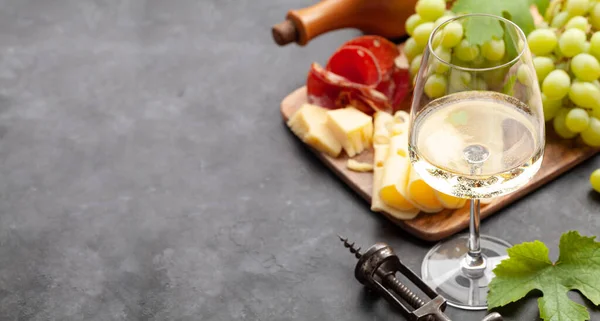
559	156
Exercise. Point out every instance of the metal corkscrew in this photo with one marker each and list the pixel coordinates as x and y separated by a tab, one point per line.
377	269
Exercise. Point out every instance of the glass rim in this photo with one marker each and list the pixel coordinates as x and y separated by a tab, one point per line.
451	65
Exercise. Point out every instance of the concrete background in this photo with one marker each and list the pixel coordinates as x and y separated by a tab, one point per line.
145	172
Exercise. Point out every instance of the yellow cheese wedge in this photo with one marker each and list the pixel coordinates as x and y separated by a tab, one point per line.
357	166
449	201
381	134
309	124
422	195
377	205
352	128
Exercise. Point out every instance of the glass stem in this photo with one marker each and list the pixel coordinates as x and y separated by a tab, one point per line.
475	260
474	264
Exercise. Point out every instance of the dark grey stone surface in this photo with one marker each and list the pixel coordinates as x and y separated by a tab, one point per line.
145	173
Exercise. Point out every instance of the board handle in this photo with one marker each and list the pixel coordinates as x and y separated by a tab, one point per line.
380	17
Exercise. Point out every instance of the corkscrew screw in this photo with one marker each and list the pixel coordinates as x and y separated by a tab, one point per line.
377	269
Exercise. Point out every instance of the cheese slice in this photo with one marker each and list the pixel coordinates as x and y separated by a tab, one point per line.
352	128
309	123
379	158
449	201
377	205
357	166
381	133
395	175
422	195
399	125
401	117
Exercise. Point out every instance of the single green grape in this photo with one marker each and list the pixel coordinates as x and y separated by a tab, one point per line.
542	41
572	42
524	75
560	20
445	55
435	86
595	16
584	94
595	180
550	107
431	9
441	20
452	34
556	85
411	49
577	7
577	120
595	44
465	51
422	33
458	81
559	125
415	64
493	50
578	22
585	67
591	136
543	66
412	22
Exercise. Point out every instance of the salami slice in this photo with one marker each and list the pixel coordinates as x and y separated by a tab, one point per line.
356	64
385	51
401	80
330	90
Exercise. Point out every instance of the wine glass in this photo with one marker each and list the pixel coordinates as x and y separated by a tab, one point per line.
476	132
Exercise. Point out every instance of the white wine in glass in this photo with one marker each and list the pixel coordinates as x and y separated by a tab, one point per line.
476	131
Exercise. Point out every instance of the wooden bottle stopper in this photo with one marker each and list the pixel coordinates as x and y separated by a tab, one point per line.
381	17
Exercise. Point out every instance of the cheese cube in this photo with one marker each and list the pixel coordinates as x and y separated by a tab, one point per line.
309	123
352	128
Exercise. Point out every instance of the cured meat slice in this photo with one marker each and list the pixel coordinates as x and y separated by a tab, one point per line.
329	90
356	64
385	51
396	87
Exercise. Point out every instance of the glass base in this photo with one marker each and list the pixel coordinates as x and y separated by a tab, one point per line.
442	270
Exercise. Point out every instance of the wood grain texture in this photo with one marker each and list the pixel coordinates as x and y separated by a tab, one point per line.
559	156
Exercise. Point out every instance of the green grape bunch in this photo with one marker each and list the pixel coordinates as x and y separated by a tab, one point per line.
566	49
